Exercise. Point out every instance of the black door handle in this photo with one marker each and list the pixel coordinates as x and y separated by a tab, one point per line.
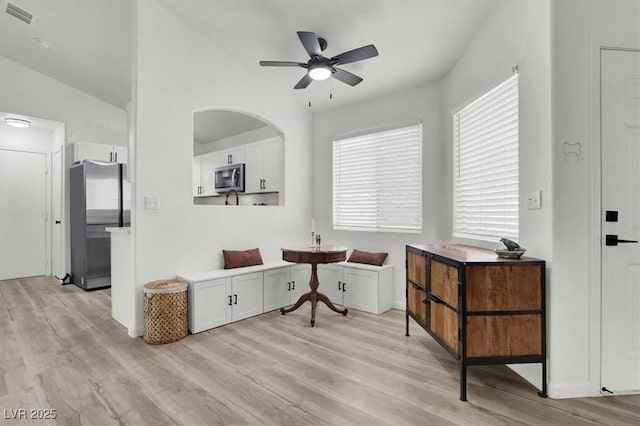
229	300
235	299
613	240
57	222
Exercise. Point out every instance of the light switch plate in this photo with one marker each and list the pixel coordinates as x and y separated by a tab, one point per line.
534	201
151	203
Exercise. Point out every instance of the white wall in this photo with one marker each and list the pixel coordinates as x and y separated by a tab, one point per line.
517	33
579	27
420	103
27	92
24	91
30	139
177	73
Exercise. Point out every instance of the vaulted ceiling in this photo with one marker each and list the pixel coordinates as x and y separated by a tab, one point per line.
90	41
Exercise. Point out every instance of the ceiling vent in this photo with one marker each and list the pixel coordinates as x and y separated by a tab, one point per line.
21	14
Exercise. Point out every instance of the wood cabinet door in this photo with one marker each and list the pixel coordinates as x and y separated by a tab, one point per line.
361	289
444	324
444	282
247	295
417	268
210	304
276	288
416	296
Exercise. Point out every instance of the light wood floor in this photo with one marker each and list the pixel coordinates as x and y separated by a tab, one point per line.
59	348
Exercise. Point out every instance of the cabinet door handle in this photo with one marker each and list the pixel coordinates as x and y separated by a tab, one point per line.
229	300
344	286
264	184
433	298
111	156
230	158
293	286
116	157
289	286
339	285
235	299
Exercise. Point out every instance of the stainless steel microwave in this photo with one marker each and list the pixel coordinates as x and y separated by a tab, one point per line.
229	178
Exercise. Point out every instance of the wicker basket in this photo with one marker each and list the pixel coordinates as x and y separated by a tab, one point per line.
165	311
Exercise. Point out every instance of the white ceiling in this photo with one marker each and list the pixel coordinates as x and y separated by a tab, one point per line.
418	41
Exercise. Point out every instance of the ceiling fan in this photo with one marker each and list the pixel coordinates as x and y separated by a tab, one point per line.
320	67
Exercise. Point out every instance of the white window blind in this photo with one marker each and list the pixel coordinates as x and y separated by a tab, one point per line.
485	160
377	181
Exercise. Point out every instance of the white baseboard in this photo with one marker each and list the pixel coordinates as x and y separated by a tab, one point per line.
400	304
571	390
135	332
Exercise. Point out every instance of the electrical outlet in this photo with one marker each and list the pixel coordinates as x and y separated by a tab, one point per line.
534	201
151	203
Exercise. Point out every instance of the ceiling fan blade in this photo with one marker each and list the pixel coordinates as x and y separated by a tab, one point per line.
354	55
347	77
304	82
310	42
282	64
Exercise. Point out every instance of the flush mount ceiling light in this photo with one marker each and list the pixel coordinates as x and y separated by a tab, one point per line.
17	122
42	43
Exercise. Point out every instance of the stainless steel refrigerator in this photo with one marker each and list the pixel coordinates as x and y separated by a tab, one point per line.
99	198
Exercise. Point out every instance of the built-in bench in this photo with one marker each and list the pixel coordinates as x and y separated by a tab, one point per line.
221	296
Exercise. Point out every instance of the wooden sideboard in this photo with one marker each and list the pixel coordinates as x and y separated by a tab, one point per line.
480	308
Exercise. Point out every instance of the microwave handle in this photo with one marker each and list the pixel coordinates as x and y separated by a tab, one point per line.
234	177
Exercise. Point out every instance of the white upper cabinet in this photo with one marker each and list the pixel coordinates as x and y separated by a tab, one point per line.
263	165
100	152
208	164
231	156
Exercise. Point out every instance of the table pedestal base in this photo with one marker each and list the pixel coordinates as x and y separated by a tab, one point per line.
313	296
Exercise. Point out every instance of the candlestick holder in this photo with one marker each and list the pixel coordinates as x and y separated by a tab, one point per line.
313	239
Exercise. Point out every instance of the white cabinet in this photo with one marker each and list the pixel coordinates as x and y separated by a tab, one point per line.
330	278
277	287
220	301
299	278
246	296
196	182
100	152
284	286
231	156
263	172
353	285
208	304
203	174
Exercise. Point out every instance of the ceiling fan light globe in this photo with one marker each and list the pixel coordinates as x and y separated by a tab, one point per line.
320	73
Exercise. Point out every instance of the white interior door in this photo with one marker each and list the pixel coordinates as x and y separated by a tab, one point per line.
57	267
23	214
620	114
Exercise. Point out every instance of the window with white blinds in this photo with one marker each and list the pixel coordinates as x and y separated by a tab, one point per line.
377	181
485	156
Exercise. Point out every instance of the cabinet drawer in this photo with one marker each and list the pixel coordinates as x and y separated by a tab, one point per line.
444	324
504	335
503	288
416	268
444	282
415	302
